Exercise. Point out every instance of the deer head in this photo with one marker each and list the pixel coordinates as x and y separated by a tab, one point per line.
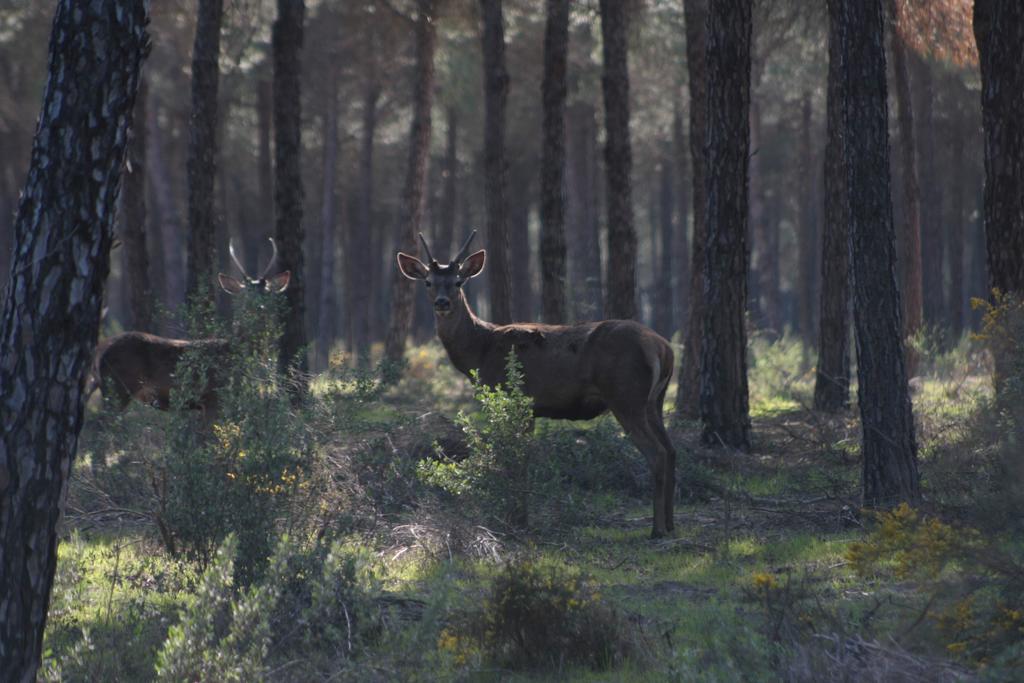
444	282
262	284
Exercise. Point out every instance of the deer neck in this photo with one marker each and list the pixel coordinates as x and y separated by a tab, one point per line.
465	337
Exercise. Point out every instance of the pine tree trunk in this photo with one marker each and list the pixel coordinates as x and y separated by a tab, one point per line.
415	178
169	229
582	208
264	162
681	240
202	148
957	243
832	381
519	243
664	306
552	175
688	396
445	237
807	237
933	247
757	296
289	195
912	293
724	401
357	258
999	29
499	268
134	225
51	313
326	324
889	451
620	295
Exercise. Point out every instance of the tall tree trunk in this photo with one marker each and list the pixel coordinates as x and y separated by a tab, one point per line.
832	381
202	148
415	178
618	162
169	229
999	29
807	235
327	325
264	163
133	222
688	396
889	451
912	293
519	243
933	248
495	104
586	228
758	276
51	314
361	305
286	40
552	175
445	237
957	243
664	307
681	257
724	401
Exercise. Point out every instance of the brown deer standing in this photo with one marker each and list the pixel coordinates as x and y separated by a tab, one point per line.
141	366
572	372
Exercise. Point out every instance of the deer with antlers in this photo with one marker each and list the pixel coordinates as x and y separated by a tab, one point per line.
572	372
140	365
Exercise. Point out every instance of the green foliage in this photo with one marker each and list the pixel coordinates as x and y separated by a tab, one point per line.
495	477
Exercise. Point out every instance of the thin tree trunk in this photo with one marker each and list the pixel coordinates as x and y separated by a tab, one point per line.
358	260
134	227
688	396
807	235
618	162
326	324
682	241
415	179
957	243
264	162
552	203
586	228
933	248
664	307
724	401
446	235
202	148
289	195
757	231
889	451
51	312
495	104
169	232
519	242
832	381
911	258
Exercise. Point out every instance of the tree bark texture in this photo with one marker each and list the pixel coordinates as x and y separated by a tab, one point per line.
552	174
327	325
999	29
933	247
889	451
51	313
620	293
415	179
807	237
832	380
499	267
758	275
664	306
289	195
696	17
202	148
724	401
134	224
911	257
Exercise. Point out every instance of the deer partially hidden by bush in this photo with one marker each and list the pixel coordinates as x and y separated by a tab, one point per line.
141	366
572	372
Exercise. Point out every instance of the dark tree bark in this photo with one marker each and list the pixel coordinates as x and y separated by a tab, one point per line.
552	175
358	260
519	241
286	39
957	242
724	401
688	396
582	210
326	324
202	148
168	229
51	314
264	162
807	237
912	293
758	275
664	306
889	451
999	30
933	244
496	81
618	162
681	240
134	226
415	179
445	236
832	382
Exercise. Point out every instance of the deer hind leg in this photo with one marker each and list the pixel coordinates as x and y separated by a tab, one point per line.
656	423
646	440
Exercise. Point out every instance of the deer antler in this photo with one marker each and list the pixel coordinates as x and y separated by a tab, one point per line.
465	248
273	259
234	257
426	248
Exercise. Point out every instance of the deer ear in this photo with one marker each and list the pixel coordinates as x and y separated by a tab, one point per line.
412	267
473	265
229	284
279	282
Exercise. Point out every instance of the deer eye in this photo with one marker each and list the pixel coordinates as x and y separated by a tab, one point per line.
426	283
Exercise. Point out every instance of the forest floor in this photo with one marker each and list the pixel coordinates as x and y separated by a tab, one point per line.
759	584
